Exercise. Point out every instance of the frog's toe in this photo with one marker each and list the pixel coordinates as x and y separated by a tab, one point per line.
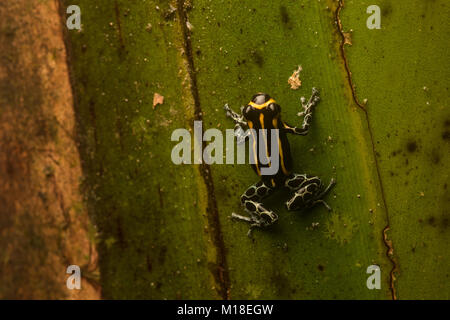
241	217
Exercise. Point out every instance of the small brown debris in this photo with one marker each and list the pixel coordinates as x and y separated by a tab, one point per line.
294	79
347	38
170	12
157	99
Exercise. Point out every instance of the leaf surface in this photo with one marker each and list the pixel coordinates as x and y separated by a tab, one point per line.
165	230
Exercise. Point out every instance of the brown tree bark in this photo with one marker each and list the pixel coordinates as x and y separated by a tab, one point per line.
43	222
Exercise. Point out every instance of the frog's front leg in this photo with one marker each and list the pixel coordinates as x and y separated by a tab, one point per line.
237	118
240	124
251	200
308	107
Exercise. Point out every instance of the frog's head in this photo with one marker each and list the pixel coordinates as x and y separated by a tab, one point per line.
262	100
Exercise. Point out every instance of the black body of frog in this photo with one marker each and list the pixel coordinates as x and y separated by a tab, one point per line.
263	112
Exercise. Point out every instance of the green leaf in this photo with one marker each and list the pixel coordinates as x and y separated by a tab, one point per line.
402	69
170	227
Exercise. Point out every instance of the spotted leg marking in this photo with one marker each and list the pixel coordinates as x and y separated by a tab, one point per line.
239	126
295	181
308	192
259	215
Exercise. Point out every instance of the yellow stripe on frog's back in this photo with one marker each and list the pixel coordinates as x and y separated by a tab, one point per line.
250	125
261	106
280	147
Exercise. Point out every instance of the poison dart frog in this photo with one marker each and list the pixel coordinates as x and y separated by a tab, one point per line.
262	112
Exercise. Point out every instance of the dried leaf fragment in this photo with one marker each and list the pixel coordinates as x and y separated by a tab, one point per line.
347	38
294	79
157	99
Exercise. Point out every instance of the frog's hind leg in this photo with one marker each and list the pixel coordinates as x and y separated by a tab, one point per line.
324	193
308	192
259	216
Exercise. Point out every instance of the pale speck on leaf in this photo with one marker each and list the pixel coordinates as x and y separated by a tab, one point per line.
157	99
